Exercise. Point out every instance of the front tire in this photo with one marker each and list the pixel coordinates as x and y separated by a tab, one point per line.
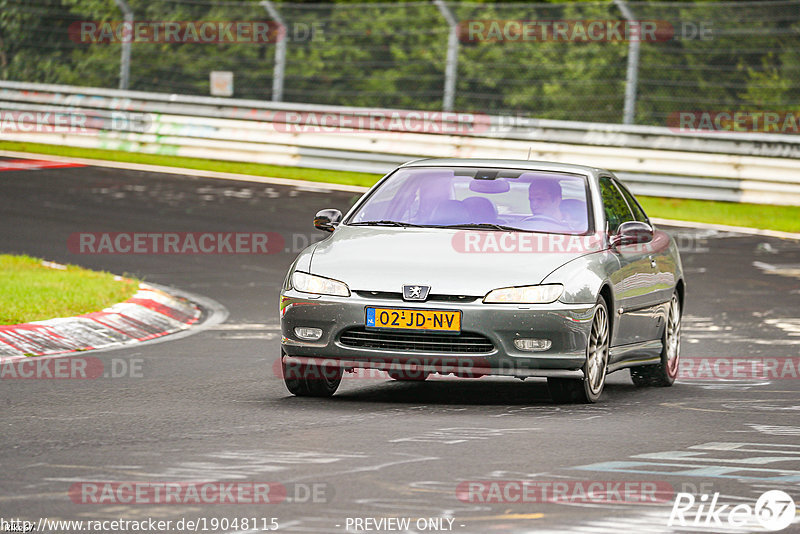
309	380
589	389
664	373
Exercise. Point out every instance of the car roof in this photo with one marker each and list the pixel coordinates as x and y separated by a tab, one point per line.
505	163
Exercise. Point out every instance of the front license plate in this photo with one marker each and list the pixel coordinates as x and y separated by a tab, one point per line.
433	320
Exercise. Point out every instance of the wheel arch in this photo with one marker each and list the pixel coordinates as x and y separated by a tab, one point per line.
608	295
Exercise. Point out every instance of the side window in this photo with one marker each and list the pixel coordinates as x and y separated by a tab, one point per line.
614	205
638	212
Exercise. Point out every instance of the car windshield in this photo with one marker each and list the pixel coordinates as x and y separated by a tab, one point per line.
481	198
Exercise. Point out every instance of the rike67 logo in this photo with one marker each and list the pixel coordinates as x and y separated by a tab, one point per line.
774	510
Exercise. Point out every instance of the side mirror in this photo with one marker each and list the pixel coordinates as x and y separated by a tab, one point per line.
327	220
632	233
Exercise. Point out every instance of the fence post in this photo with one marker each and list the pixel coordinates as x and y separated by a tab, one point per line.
280	52
451	70
632	76
125	55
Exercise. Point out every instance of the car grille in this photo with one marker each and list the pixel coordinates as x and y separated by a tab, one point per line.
391	295
463	343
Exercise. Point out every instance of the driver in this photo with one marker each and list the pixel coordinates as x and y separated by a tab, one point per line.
545	199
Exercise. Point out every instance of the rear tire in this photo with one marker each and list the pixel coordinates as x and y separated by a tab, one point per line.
309	380
664	373
588	389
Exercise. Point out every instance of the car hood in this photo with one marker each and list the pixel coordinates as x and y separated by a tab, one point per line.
386	258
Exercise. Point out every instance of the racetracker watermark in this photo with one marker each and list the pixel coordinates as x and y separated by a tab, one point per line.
42	122
441	122
491	242
408	368
564	491
739	368
496	242
524	242
73	121
69	368
216	492
735	121
149	524
774	510
193	32
580	31
176	243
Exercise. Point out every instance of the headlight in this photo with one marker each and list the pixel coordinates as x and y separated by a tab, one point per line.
309	283
525	295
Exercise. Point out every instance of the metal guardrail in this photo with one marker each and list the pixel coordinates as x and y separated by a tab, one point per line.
739	167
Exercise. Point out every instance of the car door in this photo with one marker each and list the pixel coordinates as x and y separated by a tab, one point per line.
636	307
659	252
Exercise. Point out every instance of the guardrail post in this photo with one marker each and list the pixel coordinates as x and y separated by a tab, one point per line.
280	52
632	77
125	55
451	70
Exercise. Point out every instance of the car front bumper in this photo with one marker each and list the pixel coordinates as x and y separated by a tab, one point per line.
566	326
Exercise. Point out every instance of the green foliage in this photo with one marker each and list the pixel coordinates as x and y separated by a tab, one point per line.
722	56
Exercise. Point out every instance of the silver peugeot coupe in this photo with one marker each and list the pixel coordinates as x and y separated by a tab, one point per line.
468	267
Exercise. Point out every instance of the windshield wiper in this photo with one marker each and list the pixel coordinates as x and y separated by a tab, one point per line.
385	223
489	226
465	226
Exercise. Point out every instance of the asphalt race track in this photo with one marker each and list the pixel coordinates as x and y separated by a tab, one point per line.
209	407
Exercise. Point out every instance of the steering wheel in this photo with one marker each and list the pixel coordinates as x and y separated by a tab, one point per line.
542	218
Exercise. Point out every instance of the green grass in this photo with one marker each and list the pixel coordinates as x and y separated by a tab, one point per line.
784	218
30	291
253	169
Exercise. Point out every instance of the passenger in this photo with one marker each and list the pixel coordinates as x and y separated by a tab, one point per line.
574	212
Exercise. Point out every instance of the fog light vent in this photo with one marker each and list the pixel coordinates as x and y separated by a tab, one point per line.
307	332
532	345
